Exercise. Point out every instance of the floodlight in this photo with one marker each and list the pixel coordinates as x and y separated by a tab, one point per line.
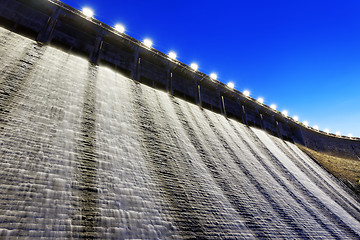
296	118
213	76
273	106
194	66
147	42
88	12
285	113
306	123
172	55
260	100
231	85
246	93
120	28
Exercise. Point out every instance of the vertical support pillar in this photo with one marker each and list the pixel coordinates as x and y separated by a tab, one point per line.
46	34
298	134
261	119
243	114
196	91
94	58
218	92
223	106
277	127
199	95
135	73
169	87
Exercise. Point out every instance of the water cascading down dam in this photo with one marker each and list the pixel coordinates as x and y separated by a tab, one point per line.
88	151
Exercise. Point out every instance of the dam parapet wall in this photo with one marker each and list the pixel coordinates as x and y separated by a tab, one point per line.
52	22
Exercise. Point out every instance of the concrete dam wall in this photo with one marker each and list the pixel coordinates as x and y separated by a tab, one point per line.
52	22
87	152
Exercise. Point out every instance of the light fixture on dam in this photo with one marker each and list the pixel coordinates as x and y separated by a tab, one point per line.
306	123
148	43
285	113
246	93
296	118
260	100
172	55
194	66
273	106
88	12
213	76
231	85
120	28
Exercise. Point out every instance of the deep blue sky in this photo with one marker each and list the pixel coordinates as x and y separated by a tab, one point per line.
302	55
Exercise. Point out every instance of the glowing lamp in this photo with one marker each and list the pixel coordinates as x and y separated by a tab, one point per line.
88	12
273	106
285	113
260	100
194	66
120	28
231	85
306	123
246	93
316	127
172	55
296	118
213	76
147	42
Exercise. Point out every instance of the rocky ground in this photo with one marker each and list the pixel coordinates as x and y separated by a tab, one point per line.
347	170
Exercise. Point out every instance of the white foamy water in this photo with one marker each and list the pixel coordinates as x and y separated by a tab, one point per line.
88	153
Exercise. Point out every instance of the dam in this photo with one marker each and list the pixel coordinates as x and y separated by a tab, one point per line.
94	150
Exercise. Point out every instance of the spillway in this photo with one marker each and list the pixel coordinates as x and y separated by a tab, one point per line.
88	153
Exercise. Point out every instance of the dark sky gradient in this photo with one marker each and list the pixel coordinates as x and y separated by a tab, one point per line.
304	56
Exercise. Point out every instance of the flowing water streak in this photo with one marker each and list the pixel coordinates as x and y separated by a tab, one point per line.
40	124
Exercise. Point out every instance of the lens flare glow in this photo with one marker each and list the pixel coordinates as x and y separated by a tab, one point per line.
326	130
213	76
88	12
194	66
172	55
296	118
120	28
273	106
147	42
350	135
260	100
231	85
246	93
306	123
285	113
316	127
338	133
